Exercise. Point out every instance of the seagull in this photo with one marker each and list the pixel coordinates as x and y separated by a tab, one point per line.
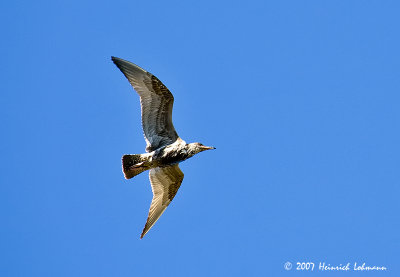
165	149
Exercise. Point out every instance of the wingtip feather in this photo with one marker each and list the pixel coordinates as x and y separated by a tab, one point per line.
144	232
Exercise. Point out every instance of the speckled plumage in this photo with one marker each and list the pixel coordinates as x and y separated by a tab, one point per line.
165	148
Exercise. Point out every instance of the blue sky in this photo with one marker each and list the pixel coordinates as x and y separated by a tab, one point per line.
300	98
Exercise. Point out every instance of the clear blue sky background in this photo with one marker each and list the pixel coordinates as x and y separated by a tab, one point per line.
301	99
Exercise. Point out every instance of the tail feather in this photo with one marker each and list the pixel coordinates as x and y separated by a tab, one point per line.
133	165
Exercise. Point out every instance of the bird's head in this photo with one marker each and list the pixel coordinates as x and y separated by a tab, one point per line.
197	147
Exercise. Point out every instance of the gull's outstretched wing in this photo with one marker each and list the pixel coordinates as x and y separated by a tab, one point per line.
165	182
156	102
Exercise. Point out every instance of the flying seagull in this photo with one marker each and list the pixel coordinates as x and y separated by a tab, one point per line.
165	149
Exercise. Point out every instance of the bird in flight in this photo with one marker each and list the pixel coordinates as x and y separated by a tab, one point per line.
165	149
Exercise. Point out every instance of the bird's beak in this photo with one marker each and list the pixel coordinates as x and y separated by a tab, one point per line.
207	147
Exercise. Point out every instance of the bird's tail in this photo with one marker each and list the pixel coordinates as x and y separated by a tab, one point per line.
133	165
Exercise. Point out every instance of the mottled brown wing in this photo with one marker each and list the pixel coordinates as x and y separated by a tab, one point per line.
156	103
165	182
